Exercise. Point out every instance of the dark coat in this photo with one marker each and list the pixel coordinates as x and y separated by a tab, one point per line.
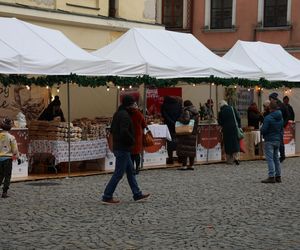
50	113
122	130
229	129
272	128
186	144
291	113
284	112
254	118
170	111
139	125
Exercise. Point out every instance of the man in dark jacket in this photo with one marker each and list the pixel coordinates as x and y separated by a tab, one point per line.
272	131
280	106
52	111
123	141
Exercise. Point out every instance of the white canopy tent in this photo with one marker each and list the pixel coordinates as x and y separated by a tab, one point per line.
166	54
31	49
273	62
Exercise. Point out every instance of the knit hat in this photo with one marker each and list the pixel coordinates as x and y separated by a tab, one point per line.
128	101
273	96
6	124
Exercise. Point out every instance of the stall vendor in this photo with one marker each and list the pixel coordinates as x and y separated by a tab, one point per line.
53	111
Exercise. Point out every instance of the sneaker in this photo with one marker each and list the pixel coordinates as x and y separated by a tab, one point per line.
170	161
237	162
143	197
278	179
269	180
111	201
4	195
190	168
183	168
282	158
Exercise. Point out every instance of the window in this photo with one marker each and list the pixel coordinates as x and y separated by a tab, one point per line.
172	13
221	14
112	8
275	13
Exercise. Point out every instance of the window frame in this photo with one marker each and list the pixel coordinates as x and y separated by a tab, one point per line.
173	6
207	21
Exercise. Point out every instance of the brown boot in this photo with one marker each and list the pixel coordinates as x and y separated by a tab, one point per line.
278	179
269	180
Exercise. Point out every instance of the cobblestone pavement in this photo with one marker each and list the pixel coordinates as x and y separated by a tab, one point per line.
214	207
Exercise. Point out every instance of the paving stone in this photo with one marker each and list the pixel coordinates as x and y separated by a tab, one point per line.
214	207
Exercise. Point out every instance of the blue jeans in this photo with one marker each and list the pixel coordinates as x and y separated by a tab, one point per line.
123	164
271	154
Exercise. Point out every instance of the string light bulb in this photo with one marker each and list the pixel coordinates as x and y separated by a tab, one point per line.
47	87
249	89
194	84
130	86
123	89
118	87
235	86
107	88
57	90
213	84
28	87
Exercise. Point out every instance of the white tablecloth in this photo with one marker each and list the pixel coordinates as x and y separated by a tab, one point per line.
80	150
160	131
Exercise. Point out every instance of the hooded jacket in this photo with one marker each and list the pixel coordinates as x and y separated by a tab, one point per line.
122	130
272	128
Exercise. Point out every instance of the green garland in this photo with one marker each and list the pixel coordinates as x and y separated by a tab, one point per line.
96	81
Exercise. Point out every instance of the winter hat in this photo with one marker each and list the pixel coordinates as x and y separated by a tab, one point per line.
6	124
128	101
187	103
273	96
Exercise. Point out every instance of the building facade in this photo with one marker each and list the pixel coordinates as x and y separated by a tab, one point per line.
218	24
91	24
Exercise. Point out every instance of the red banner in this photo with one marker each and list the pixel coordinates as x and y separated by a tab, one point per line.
209	136
155	98
289	132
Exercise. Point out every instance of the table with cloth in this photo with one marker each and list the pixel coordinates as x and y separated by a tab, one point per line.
80	150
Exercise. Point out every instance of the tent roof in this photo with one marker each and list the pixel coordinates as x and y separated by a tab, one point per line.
31	49
166	54
271	60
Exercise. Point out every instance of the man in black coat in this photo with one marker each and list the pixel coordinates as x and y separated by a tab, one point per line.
291	113
123	140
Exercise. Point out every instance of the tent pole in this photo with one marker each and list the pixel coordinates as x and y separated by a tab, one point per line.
209	126
69	130
144	114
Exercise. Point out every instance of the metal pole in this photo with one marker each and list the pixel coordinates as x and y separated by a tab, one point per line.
69	129
144	113
209	125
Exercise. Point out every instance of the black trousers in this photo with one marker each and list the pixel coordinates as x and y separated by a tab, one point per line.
183	160
136	160
281	148
5	173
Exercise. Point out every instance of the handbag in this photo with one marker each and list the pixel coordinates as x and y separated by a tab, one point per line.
148	139
184	129
240	132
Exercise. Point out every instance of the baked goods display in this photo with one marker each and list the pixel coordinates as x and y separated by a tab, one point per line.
53	130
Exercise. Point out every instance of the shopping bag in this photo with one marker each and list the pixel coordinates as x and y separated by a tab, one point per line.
148	139
184	129
242	146
240	133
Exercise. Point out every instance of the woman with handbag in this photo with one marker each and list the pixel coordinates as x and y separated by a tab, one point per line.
186	143
230	122
139	124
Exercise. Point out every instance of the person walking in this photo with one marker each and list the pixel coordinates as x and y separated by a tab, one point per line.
171	111
139	124
8	152
186	144
226	120
274	99
123	140
272	130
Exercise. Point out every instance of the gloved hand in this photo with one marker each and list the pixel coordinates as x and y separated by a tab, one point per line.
19	161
